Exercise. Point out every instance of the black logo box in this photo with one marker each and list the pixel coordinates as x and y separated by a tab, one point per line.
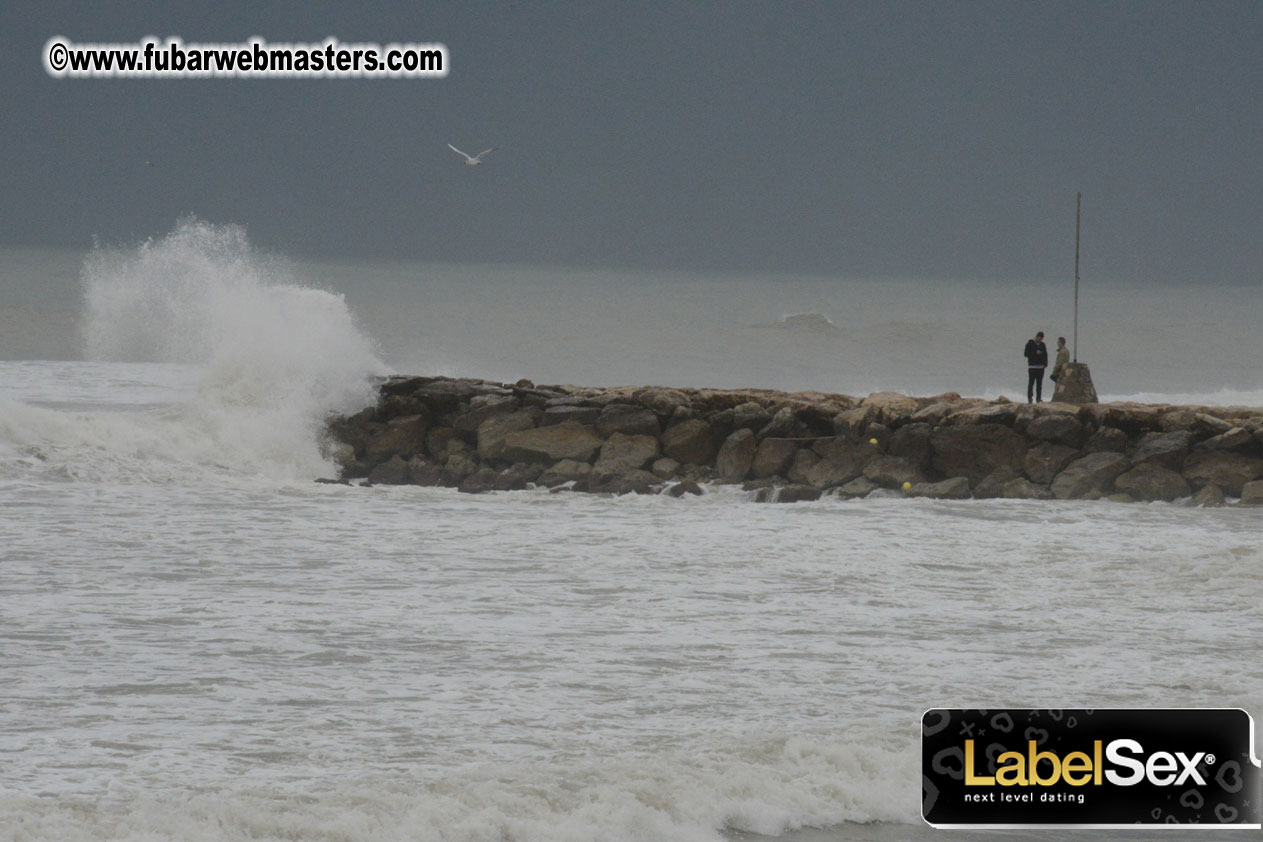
1215	745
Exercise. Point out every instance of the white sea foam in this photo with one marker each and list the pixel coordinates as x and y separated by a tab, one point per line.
1216	397
768	788
270	661
266	359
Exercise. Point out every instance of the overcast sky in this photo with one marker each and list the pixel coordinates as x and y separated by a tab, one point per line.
921	139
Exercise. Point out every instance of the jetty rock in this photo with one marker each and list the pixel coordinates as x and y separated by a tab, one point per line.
479	436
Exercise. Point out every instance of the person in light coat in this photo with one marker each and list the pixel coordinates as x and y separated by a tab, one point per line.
1063	359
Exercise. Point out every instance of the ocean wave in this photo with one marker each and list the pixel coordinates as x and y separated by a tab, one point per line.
768	787
803	321
267	359
1219	397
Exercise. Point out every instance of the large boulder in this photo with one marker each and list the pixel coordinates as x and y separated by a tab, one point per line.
493	432
1201	424
579	414
442	395
480	481
357	429
858	487
394	471
1230	471
567	440
1207	426
622	453
1172	420
832	447
912	442
817	418
628	420
720	424
528	395
402	384
1058	428
992	413
631	482
877	434
993	484
664	468
662	401
457	467
1252	493
567	470
517	477
422	471
840	461
1163	449
690	442
893	472
851	423
403	437
935	412
1093	473
800	466
1106	440
1020	488
827	473
773	457
956	488
736	455
437	441
1208	497
784	424
1131	418
974	451
685	487
750	416
398	406
1237	440
479	409
1045	461
892	408
1151	481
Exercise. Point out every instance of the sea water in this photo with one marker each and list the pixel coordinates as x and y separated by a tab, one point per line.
198	642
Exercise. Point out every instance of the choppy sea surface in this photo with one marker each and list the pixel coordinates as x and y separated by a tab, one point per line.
198	642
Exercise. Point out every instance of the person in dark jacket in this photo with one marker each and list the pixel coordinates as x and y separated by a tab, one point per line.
1036	361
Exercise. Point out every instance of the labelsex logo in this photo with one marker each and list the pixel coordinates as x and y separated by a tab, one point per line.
1089	767
1162	768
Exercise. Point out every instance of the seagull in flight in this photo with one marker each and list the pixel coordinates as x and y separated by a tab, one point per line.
474	160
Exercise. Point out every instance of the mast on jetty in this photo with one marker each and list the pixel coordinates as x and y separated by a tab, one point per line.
1078	198
1075	383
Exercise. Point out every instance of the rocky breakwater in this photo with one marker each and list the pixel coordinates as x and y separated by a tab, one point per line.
478	436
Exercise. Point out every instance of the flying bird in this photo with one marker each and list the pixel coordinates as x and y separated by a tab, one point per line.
476	159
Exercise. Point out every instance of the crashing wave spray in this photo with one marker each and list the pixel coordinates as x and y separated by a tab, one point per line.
273	357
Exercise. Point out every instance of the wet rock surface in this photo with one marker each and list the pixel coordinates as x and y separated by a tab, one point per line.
481	436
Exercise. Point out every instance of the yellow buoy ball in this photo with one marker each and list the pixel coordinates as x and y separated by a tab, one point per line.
907	486
872	441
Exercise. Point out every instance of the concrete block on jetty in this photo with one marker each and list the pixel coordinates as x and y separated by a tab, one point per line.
479	435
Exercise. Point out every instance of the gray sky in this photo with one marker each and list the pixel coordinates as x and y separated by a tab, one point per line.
921	139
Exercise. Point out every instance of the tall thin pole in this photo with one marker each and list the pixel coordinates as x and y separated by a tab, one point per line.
1078	198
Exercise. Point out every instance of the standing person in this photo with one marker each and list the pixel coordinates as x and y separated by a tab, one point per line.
1063	359
1036	361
